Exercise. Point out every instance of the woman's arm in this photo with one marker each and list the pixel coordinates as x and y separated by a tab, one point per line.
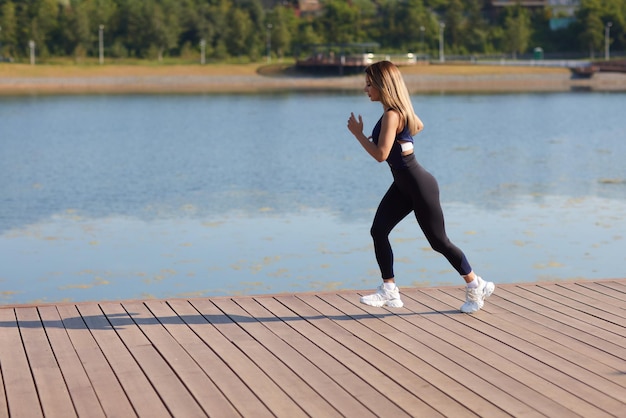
389	128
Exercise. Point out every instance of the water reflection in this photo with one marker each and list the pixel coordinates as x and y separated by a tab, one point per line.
131	197
75	258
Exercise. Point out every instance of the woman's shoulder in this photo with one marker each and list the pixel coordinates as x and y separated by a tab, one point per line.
394	116
391	112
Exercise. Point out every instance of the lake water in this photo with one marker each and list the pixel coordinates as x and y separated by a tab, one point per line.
118	197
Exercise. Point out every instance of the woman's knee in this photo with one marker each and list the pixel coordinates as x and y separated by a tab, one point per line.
378	232
441	245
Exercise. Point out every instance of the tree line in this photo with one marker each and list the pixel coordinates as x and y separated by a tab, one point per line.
248	30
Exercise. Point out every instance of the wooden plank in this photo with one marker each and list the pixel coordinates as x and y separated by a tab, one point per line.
4	407
276	365
163	378
494	378
80	389
177	353
437	389
605	394
604	294
106	385
591	325
53	394
360	390
618	287
536	349
325	387
352	352
220	338
588	311
144	400
504	357
563	330
19	386
231	385
598	300
478	381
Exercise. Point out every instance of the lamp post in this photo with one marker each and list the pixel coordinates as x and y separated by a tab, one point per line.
268	39
422	29
202	51
101	43
607	40
441	27
31	45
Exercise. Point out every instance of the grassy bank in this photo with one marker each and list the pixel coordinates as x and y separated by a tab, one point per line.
155	70
122	70
176	77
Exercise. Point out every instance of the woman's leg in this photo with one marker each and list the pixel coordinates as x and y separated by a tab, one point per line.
427	208
429	215
393	207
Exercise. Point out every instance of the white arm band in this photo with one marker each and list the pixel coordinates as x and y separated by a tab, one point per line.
406	146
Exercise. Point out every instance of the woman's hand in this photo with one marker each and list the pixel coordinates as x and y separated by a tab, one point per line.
355	126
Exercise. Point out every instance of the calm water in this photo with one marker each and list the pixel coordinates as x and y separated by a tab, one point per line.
112	197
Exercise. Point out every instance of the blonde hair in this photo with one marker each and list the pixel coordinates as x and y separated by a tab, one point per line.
387	79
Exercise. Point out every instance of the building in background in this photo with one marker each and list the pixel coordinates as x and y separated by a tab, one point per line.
562	13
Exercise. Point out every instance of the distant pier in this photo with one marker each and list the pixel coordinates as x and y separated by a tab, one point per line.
587	71
347	58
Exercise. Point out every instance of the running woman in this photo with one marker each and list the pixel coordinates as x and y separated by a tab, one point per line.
413	189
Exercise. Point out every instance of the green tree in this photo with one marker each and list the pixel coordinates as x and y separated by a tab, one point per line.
128	20
590	18
615	12
517	30
398	25
8	34
406	19
339	22
388	32
284	26
165	28
45	22
306	35
255	37
453	18
158	28
366	14
218	26
80	31
151	26
475	34
238	33
102	12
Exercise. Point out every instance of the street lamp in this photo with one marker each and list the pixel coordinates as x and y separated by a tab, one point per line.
441	27
101	43
202	51
31	45
422	29
268	38
607	40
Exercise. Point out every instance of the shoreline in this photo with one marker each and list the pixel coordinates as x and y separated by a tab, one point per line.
20	80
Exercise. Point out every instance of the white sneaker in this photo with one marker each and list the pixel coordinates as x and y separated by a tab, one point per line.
475	298
384	297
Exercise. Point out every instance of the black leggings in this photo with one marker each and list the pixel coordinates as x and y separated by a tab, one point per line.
413	190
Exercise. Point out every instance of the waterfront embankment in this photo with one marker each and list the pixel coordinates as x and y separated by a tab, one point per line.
21	79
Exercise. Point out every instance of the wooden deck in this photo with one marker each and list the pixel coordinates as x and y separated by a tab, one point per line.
555	350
